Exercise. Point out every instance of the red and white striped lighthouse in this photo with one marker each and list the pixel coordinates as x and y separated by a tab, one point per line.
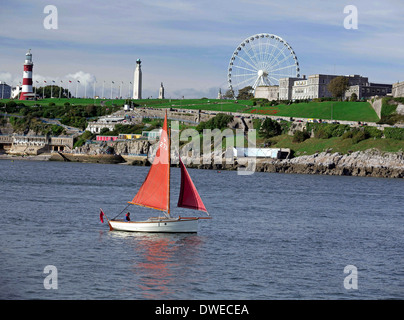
27	91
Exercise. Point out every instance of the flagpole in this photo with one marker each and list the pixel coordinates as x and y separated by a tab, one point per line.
111	89
103	85
60	89
94	91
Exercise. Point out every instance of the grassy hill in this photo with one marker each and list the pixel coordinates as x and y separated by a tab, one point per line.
338	110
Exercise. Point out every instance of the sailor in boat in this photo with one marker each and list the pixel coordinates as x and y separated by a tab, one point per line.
127	217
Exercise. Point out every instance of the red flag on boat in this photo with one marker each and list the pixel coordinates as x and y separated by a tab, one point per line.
102	216
189	196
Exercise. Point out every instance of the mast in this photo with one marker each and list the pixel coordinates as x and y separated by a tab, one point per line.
169	165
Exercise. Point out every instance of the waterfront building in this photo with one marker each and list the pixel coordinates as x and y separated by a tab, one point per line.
153	134
274	153
34	145
286	87
137	82
5	90
106	122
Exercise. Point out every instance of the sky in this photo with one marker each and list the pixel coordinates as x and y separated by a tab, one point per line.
187	44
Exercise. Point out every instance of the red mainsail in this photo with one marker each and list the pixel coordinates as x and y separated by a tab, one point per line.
189	197
154	192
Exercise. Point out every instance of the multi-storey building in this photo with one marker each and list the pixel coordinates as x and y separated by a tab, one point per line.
5	91
285	88
316	86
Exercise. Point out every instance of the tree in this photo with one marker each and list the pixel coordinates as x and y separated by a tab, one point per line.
270	128
54	90
229	94
338	86
220	121
354	97
245	93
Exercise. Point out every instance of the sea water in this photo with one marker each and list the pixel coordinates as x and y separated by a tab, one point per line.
272	236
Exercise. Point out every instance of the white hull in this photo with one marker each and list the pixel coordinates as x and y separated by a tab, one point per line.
156	225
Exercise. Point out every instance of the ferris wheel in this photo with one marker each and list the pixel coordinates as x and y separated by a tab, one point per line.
261	60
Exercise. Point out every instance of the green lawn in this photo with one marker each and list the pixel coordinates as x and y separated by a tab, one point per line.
339	110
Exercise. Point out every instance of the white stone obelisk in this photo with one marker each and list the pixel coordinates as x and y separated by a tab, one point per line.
137	83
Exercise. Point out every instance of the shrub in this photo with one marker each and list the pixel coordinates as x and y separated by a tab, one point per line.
301	136
220	121
394	133
327	130
321	133
388	106
11	107
373	132
360	136
270	128
348	135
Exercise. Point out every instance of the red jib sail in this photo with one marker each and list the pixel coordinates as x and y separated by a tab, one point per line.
189	197
154	192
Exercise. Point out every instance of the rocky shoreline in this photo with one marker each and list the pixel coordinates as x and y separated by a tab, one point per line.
369	163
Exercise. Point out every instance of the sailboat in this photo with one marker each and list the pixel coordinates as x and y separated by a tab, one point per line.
155	194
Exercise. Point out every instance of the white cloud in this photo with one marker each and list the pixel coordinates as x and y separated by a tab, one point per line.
83	77
6	77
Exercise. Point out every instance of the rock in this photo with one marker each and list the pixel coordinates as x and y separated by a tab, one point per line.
136	147
361	163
